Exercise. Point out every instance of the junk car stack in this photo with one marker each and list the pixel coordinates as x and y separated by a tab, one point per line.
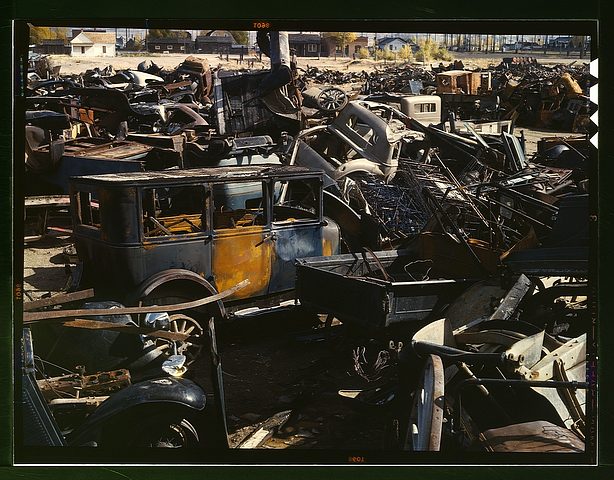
398	213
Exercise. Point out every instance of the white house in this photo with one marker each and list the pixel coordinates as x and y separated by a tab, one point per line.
391	43
93	44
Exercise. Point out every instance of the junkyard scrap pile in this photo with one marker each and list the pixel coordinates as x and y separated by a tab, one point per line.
312	250
534	95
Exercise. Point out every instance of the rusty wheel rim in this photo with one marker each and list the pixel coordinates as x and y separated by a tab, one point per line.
426	418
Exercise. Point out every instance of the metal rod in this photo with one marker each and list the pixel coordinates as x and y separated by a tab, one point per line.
58	299
461	237
461	190
508	382
522	214
456	354
522	196
522	383
131	329
217	374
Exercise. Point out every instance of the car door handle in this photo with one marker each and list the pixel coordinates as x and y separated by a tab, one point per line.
267	236
272	236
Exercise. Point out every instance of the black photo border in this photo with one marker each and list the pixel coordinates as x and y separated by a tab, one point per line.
418	18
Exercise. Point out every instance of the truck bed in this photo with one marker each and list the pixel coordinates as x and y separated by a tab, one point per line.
375	289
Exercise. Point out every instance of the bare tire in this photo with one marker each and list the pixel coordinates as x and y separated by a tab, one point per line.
153	429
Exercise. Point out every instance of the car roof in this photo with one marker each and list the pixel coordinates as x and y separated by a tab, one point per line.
183	176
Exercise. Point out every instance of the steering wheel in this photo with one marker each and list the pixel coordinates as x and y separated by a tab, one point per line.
332	99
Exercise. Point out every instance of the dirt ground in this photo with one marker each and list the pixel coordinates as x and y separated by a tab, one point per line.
286	365
72	65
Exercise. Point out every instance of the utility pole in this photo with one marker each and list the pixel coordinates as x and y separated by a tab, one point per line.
375	47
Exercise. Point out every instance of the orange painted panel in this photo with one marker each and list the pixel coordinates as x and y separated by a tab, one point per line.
240	253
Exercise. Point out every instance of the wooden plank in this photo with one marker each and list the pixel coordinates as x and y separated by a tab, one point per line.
150	332
30	317
257	438
47	201
58	299
266	430
116	150
59	230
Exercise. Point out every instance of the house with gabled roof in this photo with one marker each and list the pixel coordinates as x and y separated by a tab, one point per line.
93	44
393	44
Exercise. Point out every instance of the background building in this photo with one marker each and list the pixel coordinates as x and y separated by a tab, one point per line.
56	46
214	43
360	42
306	44
170	45
393	44
93	44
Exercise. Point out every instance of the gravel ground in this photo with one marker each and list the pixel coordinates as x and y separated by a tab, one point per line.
45	265
72	65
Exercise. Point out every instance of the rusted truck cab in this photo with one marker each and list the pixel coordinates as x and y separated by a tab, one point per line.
205	229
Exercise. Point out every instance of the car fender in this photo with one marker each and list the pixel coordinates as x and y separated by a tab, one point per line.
174	275
167	391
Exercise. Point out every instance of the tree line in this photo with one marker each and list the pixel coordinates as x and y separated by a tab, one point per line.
38	34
